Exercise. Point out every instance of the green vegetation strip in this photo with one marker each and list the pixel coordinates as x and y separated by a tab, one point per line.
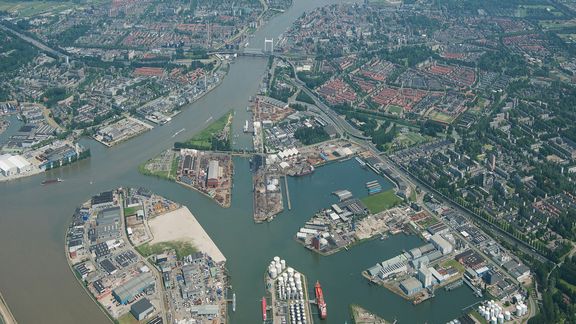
381	201
130	211
182	248
206	138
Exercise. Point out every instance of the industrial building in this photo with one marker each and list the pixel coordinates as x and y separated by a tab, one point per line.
441	244
425	276
11	165
141	309
108	223
213	174
126	293
411	286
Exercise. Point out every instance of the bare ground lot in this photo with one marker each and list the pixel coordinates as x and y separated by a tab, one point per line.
181	225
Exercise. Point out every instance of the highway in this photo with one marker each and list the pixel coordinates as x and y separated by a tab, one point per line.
34	42
341	124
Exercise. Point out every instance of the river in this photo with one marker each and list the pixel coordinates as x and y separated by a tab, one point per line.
39	287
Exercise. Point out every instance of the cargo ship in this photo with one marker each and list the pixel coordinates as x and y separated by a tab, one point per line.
50	181
320	300
264	309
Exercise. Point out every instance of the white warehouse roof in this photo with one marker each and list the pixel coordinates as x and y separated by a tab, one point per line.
19	161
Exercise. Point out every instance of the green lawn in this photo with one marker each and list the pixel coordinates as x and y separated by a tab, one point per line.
182	248
203	140
451	263
130	211
127	318
33	8
381	201
441	117
397	110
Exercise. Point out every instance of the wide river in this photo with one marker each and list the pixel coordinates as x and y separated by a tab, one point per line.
39	287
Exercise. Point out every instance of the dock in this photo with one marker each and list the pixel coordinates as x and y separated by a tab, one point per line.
287	193
287	291
454	285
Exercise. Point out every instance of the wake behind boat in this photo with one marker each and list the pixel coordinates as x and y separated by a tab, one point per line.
50	181
178	132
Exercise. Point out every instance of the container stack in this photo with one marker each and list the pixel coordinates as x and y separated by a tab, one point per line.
373	187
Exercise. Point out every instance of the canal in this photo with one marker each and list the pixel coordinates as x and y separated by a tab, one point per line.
39	288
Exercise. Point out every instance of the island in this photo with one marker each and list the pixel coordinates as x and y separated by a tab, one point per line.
142	257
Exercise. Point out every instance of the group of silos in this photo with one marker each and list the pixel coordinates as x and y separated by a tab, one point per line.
276	267
521	309
297	313
289	287
493	313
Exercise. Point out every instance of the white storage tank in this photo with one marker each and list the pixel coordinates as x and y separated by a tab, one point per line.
277	259
518	310
500	318
493	320
283	264
507	315
524	309
273	273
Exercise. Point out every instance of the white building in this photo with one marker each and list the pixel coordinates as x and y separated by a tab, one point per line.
441	244
425	276
13	164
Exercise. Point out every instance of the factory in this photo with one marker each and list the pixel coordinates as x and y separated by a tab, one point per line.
126	293
441	244
411	286
213	174
108	223
11	165
141	309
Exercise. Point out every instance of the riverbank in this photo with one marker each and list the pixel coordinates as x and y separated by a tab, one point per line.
5	313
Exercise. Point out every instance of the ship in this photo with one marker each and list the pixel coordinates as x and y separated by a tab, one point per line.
304	171
50	181
320	300
264	309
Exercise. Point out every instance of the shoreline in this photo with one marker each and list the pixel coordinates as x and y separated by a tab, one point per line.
5	313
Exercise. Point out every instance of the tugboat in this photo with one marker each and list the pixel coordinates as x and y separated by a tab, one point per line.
50	181
320	300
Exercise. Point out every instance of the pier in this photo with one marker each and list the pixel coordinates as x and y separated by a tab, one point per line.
287	192
454	285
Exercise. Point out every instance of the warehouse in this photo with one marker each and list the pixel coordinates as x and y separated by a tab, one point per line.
133	287
13	164
441	244
411	286
213	174
141	309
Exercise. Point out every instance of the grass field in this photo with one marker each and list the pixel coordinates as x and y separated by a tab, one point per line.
451	263
410	138
203	140
381	201
557	24
182	248
32	8
128	318
130	211
441	117
396	110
